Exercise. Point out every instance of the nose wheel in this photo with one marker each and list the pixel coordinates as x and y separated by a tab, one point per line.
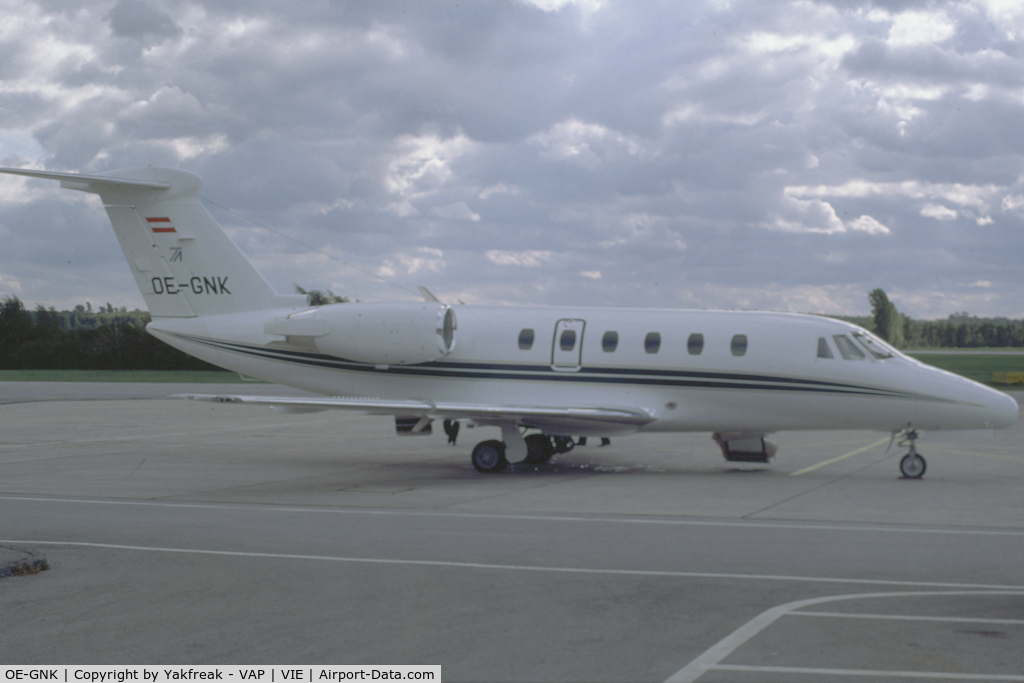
912	465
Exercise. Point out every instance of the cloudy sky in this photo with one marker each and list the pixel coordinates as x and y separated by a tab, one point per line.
725	154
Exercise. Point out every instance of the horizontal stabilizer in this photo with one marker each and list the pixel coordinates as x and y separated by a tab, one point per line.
77	181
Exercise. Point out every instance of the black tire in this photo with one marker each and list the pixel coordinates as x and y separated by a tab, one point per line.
563	444
538	449
489	457
913	466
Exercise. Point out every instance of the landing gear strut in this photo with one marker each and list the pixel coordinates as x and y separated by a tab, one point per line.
912	465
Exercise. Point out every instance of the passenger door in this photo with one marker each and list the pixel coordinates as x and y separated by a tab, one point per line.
567	345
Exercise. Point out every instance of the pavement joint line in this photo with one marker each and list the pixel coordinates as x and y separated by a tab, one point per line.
974	588
844	456
949	451
766	524
711	659
133	437
903	617
867	673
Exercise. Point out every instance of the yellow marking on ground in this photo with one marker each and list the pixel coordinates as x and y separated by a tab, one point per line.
844	456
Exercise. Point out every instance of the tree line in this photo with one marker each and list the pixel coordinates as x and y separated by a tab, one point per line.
959	331
84	339
106	338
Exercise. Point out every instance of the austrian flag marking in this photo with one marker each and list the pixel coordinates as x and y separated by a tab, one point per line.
160	225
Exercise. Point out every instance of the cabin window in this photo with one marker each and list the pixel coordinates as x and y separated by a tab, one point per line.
695	344
610	341
847	349
568	340
738	345
823	350
526	339
652	342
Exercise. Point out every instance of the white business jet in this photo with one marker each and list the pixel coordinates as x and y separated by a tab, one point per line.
546	376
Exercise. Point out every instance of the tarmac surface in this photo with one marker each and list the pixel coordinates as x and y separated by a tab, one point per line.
181	532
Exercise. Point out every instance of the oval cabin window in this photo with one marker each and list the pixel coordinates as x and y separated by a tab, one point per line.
739	345
568	340
610	341
526	339
695	344
652	342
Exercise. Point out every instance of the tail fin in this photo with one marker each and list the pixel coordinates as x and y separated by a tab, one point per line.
183	262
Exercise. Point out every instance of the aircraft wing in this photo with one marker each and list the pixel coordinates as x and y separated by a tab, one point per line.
579	421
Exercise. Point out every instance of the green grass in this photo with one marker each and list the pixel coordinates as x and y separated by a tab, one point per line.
976	366
181	376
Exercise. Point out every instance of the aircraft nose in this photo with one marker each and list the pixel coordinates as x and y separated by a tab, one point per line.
1004	410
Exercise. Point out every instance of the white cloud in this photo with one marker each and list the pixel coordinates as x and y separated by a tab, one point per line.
695	113
807	216
588	144
423	163
525	259
8	285
1014	203
187	148
920	27
424	259
975	196
869	225
938	212
587	6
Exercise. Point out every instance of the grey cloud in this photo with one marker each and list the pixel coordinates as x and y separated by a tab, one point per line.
141	19
651	144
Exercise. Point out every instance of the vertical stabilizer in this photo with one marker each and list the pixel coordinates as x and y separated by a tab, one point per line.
183	262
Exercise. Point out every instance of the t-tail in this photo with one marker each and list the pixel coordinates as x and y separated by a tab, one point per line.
183	262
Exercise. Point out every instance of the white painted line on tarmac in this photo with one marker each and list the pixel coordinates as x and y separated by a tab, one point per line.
711	658
640	520
901	617
844	456
135	437
869	673
532	568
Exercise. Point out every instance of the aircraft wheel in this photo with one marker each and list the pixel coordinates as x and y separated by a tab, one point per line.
538	449
563	444
489	457
912	466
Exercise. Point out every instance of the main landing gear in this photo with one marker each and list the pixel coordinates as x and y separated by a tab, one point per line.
912	465
491	456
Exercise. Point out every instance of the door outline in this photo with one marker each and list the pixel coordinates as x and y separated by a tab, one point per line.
567	361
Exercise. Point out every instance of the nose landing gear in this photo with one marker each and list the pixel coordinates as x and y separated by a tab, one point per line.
912	465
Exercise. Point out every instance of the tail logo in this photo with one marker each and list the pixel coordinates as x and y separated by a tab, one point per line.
160	224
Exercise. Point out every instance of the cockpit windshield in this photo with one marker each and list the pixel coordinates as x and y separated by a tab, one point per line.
875	346
847	349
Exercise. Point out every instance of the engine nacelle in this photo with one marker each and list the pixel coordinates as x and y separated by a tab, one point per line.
380	333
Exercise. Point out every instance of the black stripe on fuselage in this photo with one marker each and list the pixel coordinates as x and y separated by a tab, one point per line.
536	372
